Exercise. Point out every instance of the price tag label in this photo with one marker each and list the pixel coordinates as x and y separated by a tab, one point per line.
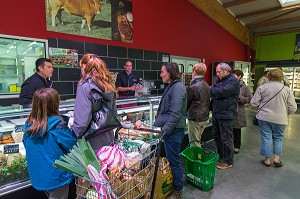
13	148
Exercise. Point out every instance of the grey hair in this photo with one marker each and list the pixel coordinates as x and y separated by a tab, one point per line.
224	66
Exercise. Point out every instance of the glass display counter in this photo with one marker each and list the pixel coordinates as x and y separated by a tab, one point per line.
13	166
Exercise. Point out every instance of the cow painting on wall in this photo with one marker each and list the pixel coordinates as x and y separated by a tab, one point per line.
91	18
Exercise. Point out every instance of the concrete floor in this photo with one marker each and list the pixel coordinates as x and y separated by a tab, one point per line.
248	178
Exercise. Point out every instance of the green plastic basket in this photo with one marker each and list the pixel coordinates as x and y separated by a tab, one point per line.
200	167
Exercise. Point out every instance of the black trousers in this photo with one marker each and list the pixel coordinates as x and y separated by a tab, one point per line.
223	136
237	138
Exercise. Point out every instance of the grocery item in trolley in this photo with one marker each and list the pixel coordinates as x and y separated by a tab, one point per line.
111	156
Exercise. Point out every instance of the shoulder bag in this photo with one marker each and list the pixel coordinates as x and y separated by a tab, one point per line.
255	120
103	117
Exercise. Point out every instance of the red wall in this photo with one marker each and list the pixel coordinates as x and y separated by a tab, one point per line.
173	26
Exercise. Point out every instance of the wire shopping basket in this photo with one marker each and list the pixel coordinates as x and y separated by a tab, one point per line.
136	181
200	165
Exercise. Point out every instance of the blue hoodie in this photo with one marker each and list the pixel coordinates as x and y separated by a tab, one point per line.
41	153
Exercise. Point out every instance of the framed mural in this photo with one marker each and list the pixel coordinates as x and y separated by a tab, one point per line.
60	57
103	19
297	45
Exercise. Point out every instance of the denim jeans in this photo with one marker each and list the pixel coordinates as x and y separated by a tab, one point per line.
172	145
271	132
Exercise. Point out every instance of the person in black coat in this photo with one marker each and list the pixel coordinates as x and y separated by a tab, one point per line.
198	101
40	79
225	94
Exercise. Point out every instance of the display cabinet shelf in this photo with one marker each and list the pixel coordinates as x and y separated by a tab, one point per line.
12	116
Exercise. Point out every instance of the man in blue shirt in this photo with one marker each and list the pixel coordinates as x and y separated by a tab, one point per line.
127	82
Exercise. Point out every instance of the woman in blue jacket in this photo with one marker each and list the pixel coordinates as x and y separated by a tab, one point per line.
46	138
171	115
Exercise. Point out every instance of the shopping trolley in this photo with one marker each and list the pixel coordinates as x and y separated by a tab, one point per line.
137	181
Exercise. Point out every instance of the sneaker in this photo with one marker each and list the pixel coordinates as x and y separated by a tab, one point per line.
236	150
176	195
223	165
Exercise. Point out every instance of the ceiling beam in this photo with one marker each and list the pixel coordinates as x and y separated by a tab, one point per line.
266	11
278	22
269	22
236	3
220	15
278	31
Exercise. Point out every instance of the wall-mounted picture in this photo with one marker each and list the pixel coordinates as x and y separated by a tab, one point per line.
103	19
60	57
297	45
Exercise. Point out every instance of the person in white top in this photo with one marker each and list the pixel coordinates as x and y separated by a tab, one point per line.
275	102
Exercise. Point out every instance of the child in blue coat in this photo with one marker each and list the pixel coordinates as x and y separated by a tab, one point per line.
46	138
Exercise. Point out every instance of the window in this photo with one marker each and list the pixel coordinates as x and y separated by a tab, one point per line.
288	2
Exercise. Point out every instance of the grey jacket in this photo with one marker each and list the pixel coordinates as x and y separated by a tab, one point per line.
171	112
198	100
278	108
83	113
244	98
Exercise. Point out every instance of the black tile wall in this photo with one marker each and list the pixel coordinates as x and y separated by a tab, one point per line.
161	55
135	53
142	65
146	64
55	74
71	45
63	87
150	75
52	42
79	58
116	51
150	55
156	65
75	84
98	49
139	73
111	63
69	74
157	84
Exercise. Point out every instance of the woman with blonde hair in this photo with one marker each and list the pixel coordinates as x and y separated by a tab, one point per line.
275	102
95	76
46	138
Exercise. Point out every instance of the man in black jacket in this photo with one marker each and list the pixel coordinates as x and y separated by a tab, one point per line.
40	79
198	101
225	94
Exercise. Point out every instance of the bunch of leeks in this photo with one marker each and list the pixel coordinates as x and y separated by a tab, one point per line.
78	159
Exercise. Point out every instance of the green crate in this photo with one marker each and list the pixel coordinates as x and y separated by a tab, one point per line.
200	167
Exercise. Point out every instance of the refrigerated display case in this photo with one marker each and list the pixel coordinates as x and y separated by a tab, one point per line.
14	175
291	76
17	61
13	118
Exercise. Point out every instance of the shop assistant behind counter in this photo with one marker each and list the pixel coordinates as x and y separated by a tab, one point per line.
127	81
40	79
